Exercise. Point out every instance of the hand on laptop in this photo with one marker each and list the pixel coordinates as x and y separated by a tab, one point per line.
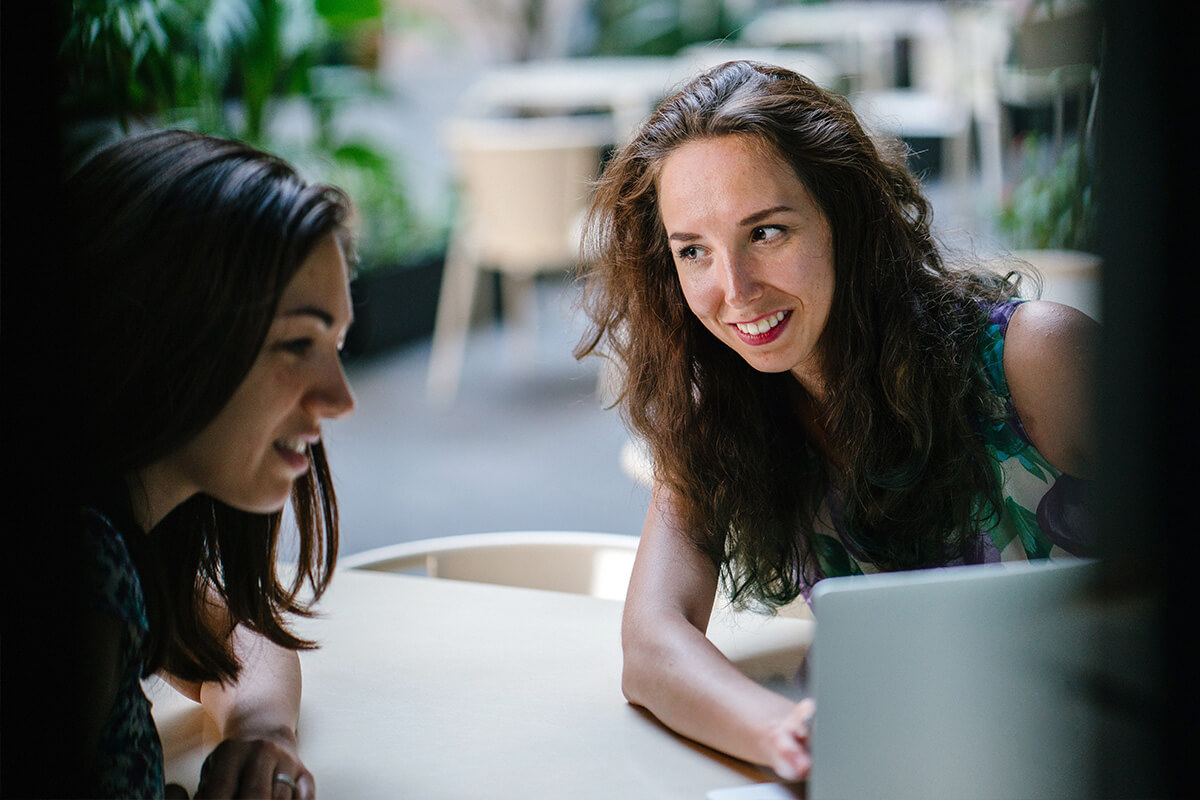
787	740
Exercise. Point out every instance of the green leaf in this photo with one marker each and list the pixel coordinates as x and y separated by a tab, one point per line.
343	14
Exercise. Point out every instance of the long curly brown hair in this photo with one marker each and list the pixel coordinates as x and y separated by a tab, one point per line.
898	350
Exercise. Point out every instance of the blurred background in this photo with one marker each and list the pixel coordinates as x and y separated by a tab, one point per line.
427	111
467	131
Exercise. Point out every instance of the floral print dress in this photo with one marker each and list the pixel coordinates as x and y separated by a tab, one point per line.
130	752
1042	515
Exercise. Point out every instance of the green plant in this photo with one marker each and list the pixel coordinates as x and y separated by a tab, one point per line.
1053	206
217	65
389	225
184	58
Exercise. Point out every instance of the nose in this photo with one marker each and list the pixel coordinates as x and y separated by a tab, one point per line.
331	397
742	287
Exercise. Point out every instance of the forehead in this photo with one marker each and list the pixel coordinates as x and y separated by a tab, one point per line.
322	280
725	174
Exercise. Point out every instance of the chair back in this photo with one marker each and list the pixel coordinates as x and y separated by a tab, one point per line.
524	186
578	562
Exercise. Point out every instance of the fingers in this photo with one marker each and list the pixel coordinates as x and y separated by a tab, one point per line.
295	786
789	742
254	769
306	788
791	760
803	716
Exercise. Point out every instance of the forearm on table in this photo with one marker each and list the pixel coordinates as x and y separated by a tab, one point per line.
265	699
674	671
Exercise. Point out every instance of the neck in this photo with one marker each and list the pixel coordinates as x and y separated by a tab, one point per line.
154	493
812	379
809	408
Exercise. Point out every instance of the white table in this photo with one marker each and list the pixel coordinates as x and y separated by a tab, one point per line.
627	87
866	31
429	688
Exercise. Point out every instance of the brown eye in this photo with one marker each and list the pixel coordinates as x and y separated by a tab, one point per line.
765	233
298	347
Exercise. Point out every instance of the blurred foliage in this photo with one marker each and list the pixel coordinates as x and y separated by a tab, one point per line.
1052	207
389	227
343	15
216	66
657	27
137	58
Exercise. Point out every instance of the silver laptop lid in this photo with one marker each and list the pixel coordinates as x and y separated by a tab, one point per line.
961	682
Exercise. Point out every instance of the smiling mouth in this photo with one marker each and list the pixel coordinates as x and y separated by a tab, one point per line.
294	452
761	326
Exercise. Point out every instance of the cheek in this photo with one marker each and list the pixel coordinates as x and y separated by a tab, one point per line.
699	295
261	400
818	282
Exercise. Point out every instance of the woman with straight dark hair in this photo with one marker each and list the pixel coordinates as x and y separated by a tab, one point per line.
212	302
821	392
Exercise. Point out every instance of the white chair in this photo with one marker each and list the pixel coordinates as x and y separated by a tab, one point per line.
1054	54
524	185
818	68
578	562
936	105
862	37
955	97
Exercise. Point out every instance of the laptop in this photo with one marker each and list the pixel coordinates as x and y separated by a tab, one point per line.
962	682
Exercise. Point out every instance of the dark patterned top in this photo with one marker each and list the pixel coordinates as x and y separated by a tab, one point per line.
130	755
1042	515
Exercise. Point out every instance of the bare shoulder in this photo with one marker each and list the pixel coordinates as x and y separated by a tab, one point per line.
1049	362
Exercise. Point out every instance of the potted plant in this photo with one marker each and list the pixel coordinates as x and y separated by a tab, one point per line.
221	68
1048	217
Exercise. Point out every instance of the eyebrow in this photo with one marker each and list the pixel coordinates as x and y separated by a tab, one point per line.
756	217
311	311
761	215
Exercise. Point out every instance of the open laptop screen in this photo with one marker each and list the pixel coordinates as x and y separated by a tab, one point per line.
955	682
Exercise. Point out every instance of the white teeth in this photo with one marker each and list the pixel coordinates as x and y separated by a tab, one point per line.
761	326
295	445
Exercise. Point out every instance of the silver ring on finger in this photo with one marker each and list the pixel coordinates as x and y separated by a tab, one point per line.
286	780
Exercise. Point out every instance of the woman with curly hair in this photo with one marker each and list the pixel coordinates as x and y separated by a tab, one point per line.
211	304
821	393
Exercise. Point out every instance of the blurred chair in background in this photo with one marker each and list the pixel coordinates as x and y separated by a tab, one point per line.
578	562
861	38
818	68
905	67
626	88
524	185
1053	56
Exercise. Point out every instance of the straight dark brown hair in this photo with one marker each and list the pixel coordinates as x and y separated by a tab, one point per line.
180	248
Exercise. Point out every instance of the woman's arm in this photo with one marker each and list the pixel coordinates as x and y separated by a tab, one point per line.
675	672
257	718
1049	362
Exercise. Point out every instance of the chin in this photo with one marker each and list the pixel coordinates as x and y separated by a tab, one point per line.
770	369
768	366
264	504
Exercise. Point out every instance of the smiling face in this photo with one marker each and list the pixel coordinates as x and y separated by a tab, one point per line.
753	252
249	455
